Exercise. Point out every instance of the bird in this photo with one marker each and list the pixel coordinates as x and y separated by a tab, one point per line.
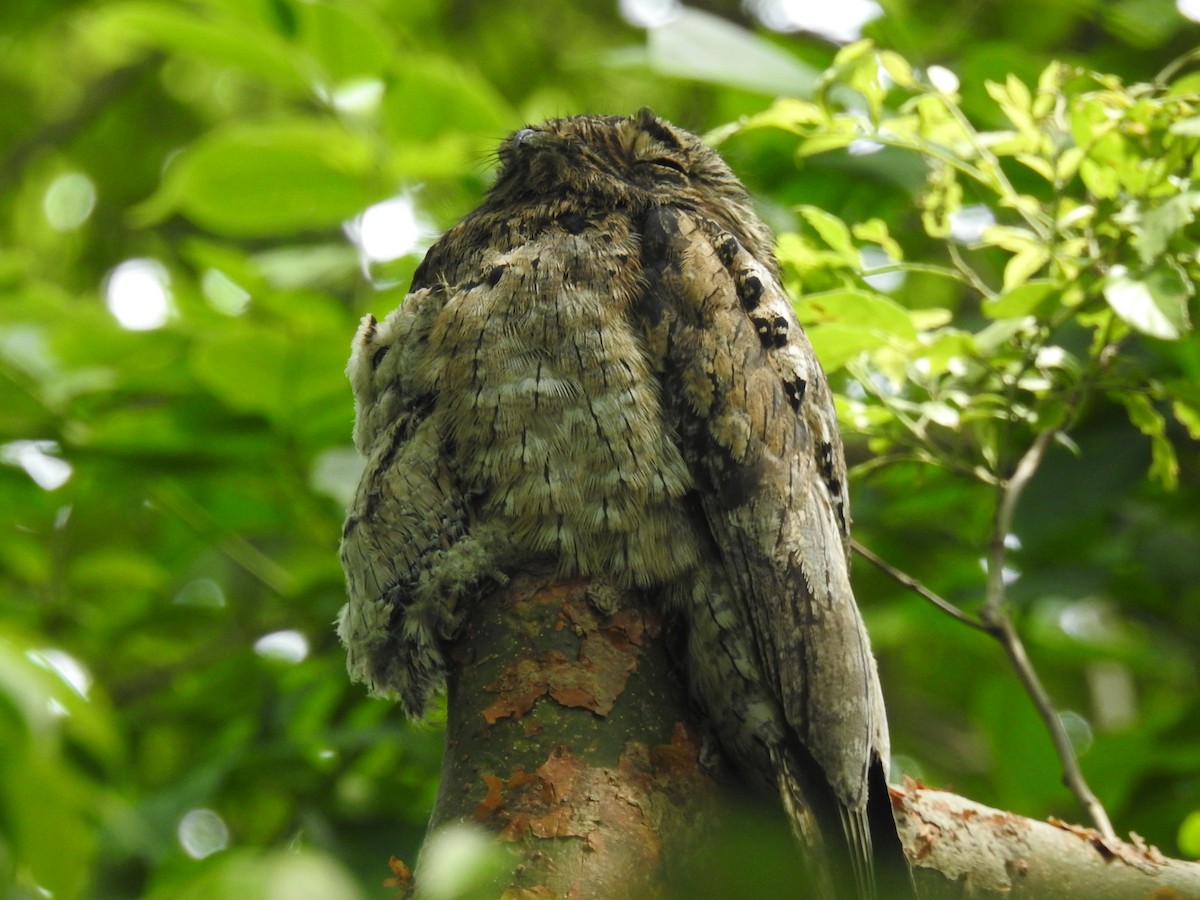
599	367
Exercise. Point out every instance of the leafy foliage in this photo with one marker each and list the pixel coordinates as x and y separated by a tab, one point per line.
980	265
1093	242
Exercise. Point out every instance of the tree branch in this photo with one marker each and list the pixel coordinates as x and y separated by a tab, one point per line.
918	588
996	623
964	849
570	739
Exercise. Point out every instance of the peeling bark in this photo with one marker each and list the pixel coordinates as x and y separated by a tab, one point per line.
570	736
964	849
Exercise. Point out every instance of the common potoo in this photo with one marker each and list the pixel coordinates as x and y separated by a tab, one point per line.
599	367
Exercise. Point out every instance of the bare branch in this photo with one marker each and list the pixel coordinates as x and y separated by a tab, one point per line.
1010	494
1072	774
918	588
964	849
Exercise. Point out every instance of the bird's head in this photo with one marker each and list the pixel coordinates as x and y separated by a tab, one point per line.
629	163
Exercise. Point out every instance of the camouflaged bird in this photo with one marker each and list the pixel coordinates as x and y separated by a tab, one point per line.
599	367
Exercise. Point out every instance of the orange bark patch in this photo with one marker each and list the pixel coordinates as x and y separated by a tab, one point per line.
604	819
566	798
498	790
679	759
608	654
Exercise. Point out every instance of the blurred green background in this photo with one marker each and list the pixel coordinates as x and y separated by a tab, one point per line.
199	200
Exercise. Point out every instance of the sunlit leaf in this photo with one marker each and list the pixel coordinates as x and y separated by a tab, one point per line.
1159	225
837	344
849	322
1154	302
788	113
1012	238
897	67
1033	298
1023	265
874	312
705	47
875	231
832	230
1188	416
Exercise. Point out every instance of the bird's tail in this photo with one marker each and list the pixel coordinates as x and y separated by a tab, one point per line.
853	853
841	868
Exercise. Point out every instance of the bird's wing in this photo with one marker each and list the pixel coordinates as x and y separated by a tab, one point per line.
757	426
406	514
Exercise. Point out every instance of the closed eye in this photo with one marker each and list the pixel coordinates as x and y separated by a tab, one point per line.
665	162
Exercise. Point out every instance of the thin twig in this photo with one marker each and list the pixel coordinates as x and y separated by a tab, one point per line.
917	587
968	273
995	615
923	268
1000	627
996	623
1072	775
1173	67
1010	494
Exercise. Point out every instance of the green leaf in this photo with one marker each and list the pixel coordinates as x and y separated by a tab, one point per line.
1154	303
875	231
788	114
269	178
47	799
898	68
1033	298
348	41
1011	238
947	351
289	873
874	312
1159	225
1000	335
1024	264
827	141
1189	834
258	370
436	99
1015	100
833	231
1101	179
1143	415
1094	129
221	40
1188	416
848	322
1039	164
836	344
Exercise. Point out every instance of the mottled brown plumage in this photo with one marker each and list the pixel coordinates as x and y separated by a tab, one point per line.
599	368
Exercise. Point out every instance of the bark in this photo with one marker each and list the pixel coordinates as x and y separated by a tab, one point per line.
964	849
571	738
